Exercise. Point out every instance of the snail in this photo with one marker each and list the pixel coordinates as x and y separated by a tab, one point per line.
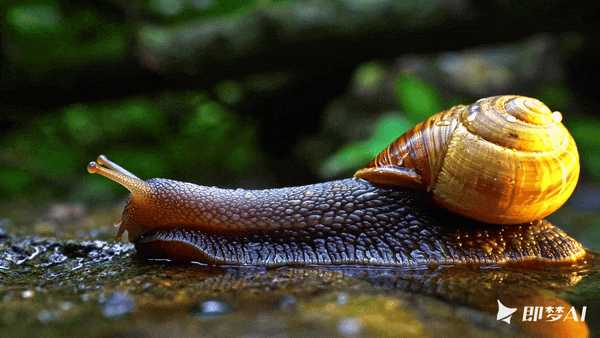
468	185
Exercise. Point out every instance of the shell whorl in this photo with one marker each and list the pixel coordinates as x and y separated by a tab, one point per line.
503	159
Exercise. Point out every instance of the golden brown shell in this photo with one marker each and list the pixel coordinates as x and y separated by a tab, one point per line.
504	159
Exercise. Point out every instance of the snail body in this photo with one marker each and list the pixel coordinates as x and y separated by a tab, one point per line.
382	216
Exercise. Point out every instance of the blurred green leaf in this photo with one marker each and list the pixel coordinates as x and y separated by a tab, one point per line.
210	121
416	98
356	154
210	113
41	150
240	157
81	123
167	7
387	129
143	162
369	75
229	92
15	181
345	159
127	116
97	189
34	18
155	37
587	136
55	159
48	40
554	96
180	11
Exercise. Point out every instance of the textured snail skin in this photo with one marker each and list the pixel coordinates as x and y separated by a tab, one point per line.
341	222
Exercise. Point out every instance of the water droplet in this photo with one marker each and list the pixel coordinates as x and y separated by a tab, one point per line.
472	116
45	316
288	302
350	326
443	123
27	294
211	309
486	248
366	197
66	306
511	118
118	305
557	117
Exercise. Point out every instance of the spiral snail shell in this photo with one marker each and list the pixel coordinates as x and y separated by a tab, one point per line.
503	160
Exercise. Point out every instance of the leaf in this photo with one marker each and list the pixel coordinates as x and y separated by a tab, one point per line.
416	98
357	154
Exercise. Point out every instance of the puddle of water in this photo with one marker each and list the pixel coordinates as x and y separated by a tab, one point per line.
59	285
99	289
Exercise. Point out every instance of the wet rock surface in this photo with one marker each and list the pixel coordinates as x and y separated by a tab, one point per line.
70	287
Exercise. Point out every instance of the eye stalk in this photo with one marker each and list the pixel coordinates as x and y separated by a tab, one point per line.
139	189
118	174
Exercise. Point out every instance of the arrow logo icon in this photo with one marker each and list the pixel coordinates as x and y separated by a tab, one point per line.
504	313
